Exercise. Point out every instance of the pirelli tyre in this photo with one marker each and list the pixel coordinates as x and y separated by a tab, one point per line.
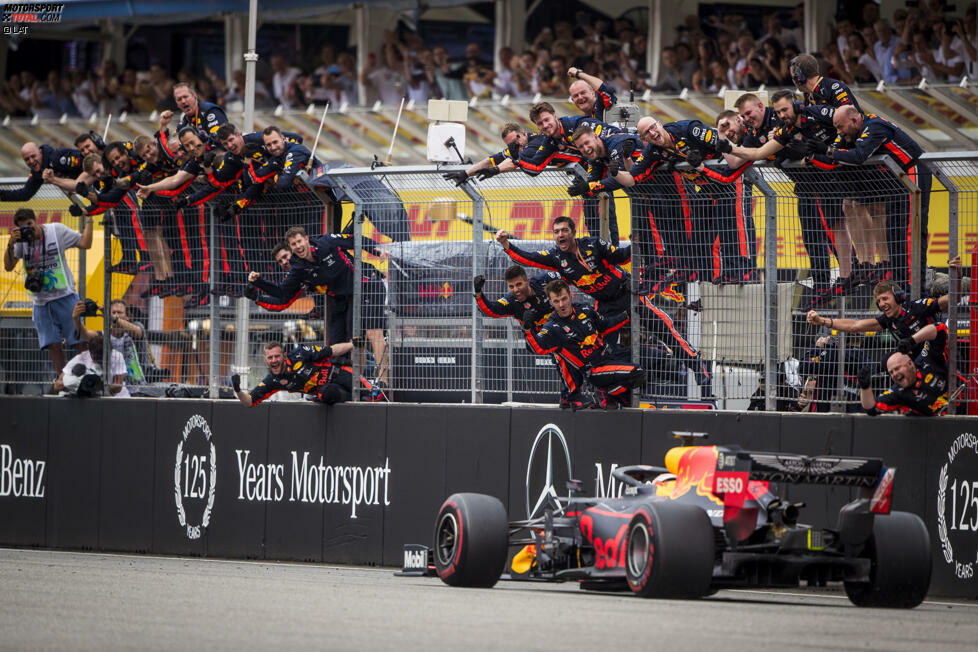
899	576
471	540
669	551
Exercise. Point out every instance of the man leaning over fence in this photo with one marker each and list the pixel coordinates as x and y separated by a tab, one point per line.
593	266
44	163
816	208
862	136
515	138
578	336
48	277
605	156
324	265
315	371
735	211
528	304
901	316
919	386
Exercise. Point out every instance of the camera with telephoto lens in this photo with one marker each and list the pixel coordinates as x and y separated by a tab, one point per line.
26	233
83	382
91	308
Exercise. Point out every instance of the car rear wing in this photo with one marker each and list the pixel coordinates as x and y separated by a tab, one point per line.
736	469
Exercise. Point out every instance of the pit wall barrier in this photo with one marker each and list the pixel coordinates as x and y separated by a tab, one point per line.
352	483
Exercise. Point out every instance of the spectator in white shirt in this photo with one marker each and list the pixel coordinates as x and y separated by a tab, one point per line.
386	81
282	79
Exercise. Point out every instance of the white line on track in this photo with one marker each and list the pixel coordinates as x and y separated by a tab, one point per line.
842	597
374	569
257	562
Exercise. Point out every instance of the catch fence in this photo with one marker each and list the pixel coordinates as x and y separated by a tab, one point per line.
724	270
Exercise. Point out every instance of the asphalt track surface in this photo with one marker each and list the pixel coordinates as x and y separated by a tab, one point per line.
65	600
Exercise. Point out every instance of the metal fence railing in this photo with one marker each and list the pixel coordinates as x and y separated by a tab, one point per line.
723	276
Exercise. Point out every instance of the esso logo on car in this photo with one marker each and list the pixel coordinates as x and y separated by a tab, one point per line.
729	484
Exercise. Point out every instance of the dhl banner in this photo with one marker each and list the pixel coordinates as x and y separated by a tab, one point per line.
439	215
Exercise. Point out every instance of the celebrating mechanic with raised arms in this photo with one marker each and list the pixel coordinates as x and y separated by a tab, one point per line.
901	316
919	386
589	94
515	138
590	263
311	370
578	336
528	304
324	265
45	163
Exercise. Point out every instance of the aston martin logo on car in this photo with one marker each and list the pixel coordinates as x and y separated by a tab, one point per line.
808	465
548	469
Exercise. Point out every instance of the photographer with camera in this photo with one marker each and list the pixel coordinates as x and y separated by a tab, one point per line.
82	376
48	278
126	336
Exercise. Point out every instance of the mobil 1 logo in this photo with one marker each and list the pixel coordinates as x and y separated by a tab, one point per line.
957	506
195	477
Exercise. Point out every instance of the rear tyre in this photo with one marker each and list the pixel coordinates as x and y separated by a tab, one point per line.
471	540
899	577
669	551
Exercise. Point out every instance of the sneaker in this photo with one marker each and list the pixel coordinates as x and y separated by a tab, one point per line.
600	400
128	267
154	289
842	285
862	273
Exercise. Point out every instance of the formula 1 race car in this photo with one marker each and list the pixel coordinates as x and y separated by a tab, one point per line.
707	521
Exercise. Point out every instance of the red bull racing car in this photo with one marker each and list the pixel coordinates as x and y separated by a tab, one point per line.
708	520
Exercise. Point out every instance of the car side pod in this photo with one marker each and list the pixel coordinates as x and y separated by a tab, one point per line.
471	540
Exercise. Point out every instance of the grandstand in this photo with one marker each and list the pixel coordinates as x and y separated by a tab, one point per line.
940	117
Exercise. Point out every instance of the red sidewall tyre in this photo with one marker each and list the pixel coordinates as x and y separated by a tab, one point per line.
669	552
470	540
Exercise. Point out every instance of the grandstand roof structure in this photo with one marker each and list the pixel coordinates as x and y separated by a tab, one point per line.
158	11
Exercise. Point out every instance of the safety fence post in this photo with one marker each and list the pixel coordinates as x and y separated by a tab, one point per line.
604	215
953	279
214	348
770	286
477	379
358	208
107	222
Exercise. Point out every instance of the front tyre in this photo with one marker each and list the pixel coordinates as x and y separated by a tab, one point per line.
899	550
471	540
669	551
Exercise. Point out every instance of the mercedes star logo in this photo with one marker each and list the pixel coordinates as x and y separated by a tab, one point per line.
549	467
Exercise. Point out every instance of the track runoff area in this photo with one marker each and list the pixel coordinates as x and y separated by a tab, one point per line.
68	600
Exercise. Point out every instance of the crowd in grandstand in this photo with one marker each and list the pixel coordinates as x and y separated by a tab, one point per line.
706	55
690	223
